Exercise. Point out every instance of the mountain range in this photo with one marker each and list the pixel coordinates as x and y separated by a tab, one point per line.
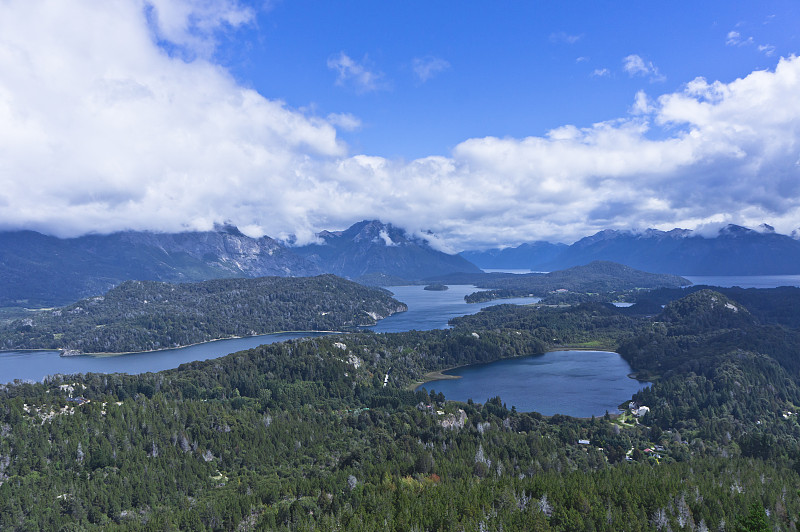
734	250
41	270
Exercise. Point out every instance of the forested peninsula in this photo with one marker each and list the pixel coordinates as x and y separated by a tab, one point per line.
311	435
149	315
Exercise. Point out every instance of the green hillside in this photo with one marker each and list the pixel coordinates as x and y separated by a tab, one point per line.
305	436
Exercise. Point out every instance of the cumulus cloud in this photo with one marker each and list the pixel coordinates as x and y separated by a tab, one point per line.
634	65
356	75
102	130
427	67
601	73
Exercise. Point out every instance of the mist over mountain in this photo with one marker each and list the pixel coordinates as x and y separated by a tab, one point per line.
41	270
371	247
734	250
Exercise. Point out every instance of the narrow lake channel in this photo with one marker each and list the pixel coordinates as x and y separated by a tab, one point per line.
426	310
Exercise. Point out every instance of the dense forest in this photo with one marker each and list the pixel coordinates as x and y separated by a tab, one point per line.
598	277
148	315
305	435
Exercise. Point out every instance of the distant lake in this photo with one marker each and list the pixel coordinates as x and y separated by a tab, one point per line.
745	281
574	383
426	310
430	309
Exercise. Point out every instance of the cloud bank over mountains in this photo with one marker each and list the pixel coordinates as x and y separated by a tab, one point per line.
114	116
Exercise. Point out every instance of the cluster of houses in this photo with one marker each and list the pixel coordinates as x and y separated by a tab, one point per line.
637	410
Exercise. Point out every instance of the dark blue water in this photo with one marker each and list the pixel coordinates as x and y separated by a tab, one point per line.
426	310
574	383
431	309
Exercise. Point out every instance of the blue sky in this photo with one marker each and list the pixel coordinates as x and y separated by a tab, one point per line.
502	69
489	123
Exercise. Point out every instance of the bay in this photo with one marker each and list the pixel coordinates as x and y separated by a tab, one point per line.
432	309
573	383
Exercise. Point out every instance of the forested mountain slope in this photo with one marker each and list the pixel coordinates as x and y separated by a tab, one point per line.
305	436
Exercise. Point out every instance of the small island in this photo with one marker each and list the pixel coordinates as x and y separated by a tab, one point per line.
436	287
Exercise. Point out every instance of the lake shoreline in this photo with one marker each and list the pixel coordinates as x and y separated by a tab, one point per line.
441	375
114	354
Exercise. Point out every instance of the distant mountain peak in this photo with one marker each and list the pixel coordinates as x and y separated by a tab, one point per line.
372	246
228	229
766	229
735	230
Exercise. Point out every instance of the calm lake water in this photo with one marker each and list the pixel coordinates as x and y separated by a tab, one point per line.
426	310
431	309
574	383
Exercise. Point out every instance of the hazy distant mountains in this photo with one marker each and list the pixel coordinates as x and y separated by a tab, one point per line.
36	269
371	247
735	250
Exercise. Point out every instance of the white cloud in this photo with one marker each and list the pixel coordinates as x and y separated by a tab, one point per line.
634	65
427	67
101	130
601	73
766	49
356	75
191	24
641	105
734	38
345	121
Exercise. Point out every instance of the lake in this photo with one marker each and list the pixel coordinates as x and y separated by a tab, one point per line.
574	383
431	309
426	310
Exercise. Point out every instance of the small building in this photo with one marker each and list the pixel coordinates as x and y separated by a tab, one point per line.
583	442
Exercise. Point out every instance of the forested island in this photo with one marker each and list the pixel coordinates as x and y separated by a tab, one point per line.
149	315
311	435
596	281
